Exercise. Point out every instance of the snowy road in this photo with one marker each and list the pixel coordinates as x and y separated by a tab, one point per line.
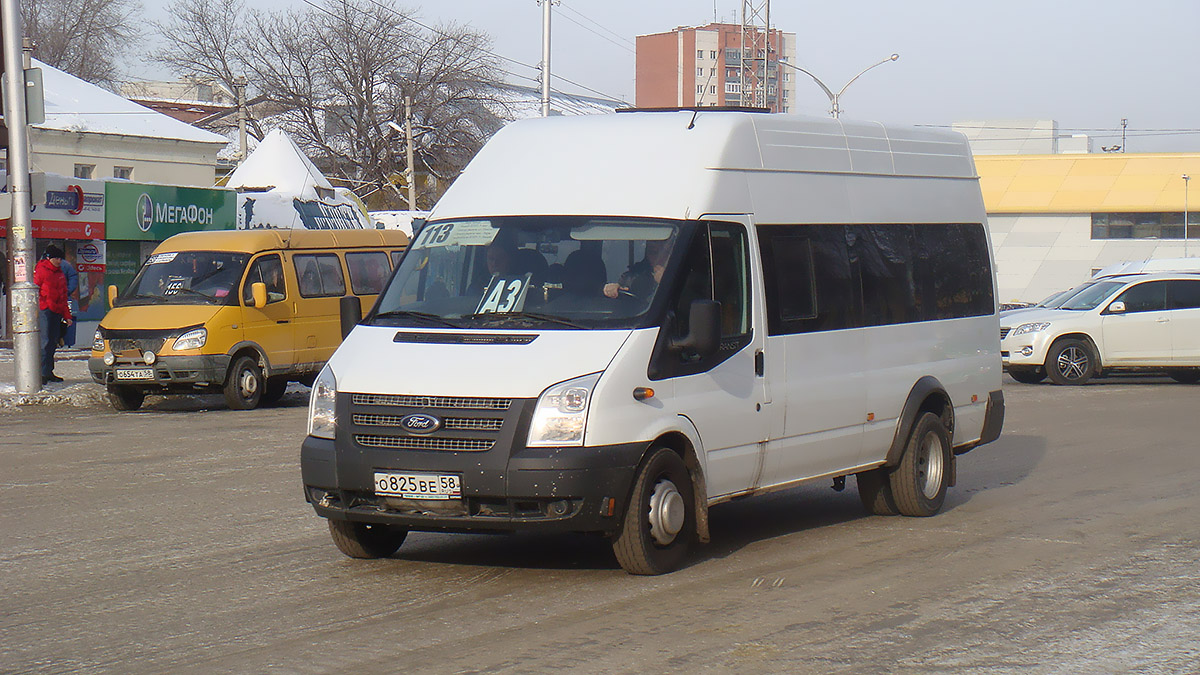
177	540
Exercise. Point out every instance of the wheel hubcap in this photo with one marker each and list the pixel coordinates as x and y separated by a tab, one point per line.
249	383
930	466
667	511
1073	363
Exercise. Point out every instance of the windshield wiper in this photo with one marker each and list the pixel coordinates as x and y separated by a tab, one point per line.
528	315
176	291
417	315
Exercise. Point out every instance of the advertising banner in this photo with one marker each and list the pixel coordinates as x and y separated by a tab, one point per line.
64	207
89	260
141	212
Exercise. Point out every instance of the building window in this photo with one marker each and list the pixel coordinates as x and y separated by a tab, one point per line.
699	72
712	89
699	89
123	172
733	56
712	54
712	72
85	170
1139	226
699	53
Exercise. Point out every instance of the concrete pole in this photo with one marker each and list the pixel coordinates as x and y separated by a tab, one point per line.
546	58
22	291
239	83
409	170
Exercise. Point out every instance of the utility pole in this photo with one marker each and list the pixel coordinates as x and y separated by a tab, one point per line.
1124	123
410	173
239	83
22	291
545	58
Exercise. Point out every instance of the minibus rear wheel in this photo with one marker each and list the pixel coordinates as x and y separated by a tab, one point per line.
920	480
660	522
125	398
366	540
1184	375
245	384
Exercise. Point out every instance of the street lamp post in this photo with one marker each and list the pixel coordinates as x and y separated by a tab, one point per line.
835	108
1186	178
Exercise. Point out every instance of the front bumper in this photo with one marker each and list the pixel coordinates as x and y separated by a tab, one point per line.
1024	350
504	489
170	372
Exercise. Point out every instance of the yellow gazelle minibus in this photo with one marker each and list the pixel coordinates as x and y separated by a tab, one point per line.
243	312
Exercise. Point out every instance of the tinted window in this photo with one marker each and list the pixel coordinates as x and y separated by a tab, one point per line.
269	270
368	271
829	277
731	279
319	275
1183	294
810	285
1148	297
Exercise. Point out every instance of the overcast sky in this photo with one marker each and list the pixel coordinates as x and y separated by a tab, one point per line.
1086	64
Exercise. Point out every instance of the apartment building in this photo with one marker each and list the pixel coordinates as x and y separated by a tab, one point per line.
716	65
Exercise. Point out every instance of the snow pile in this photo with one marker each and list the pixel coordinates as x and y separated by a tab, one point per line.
280	188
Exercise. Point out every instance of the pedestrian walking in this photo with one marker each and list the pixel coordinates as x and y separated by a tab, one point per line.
55	312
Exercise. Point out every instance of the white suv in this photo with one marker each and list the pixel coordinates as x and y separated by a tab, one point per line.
1134	322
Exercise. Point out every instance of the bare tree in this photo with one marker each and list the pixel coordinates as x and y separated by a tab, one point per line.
339	72
86	38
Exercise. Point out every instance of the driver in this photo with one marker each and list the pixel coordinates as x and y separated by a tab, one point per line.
643	276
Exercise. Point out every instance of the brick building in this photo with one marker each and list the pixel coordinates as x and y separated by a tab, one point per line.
705	66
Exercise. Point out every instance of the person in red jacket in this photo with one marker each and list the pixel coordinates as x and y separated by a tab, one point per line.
52	301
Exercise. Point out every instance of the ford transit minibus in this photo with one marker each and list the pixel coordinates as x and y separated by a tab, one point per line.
612	324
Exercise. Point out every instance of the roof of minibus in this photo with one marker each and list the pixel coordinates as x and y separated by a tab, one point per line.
682	164
251	241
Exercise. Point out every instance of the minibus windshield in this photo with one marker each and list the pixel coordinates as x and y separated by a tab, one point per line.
532	271
1092	296
187	278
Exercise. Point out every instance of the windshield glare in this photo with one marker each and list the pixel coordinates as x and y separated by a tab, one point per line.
1092	296
187	277
553	272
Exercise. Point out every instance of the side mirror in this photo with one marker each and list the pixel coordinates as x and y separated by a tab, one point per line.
1117	307
112	296
704	328
258	293
350	308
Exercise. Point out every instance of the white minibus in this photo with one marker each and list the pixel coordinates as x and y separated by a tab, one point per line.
613	323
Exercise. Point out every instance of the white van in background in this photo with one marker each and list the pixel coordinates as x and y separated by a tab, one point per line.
613	323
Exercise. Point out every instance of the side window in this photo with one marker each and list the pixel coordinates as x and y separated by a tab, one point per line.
1183	294
883	255
319	275
368	271
952	271
697	282
809	282
396	256
269	270
731	278
1148	297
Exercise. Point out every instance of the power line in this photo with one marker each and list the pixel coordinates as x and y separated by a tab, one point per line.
618	36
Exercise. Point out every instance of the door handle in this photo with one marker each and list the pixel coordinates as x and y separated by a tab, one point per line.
282	321
760	363
1161	319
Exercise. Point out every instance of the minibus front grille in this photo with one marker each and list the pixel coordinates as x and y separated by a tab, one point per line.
1004	332
119	345
444	402
424	443
450	423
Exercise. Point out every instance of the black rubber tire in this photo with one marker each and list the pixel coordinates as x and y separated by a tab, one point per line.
245	384
366	540
275	389
925	464
1185	375
125	398
875	491
1071	361
635	546
1027	375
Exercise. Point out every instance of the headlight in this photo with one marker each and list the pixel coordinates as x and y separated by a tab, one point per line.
1031	328
193	339
561	413
97	342
322	416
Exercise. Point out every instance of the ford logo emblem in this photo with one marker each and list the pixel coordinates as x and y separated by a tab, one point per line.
420	423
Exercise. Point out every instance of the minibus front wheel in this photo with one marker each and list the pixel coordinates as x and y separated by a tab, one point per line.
660	522
245	384
124	397
366	540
